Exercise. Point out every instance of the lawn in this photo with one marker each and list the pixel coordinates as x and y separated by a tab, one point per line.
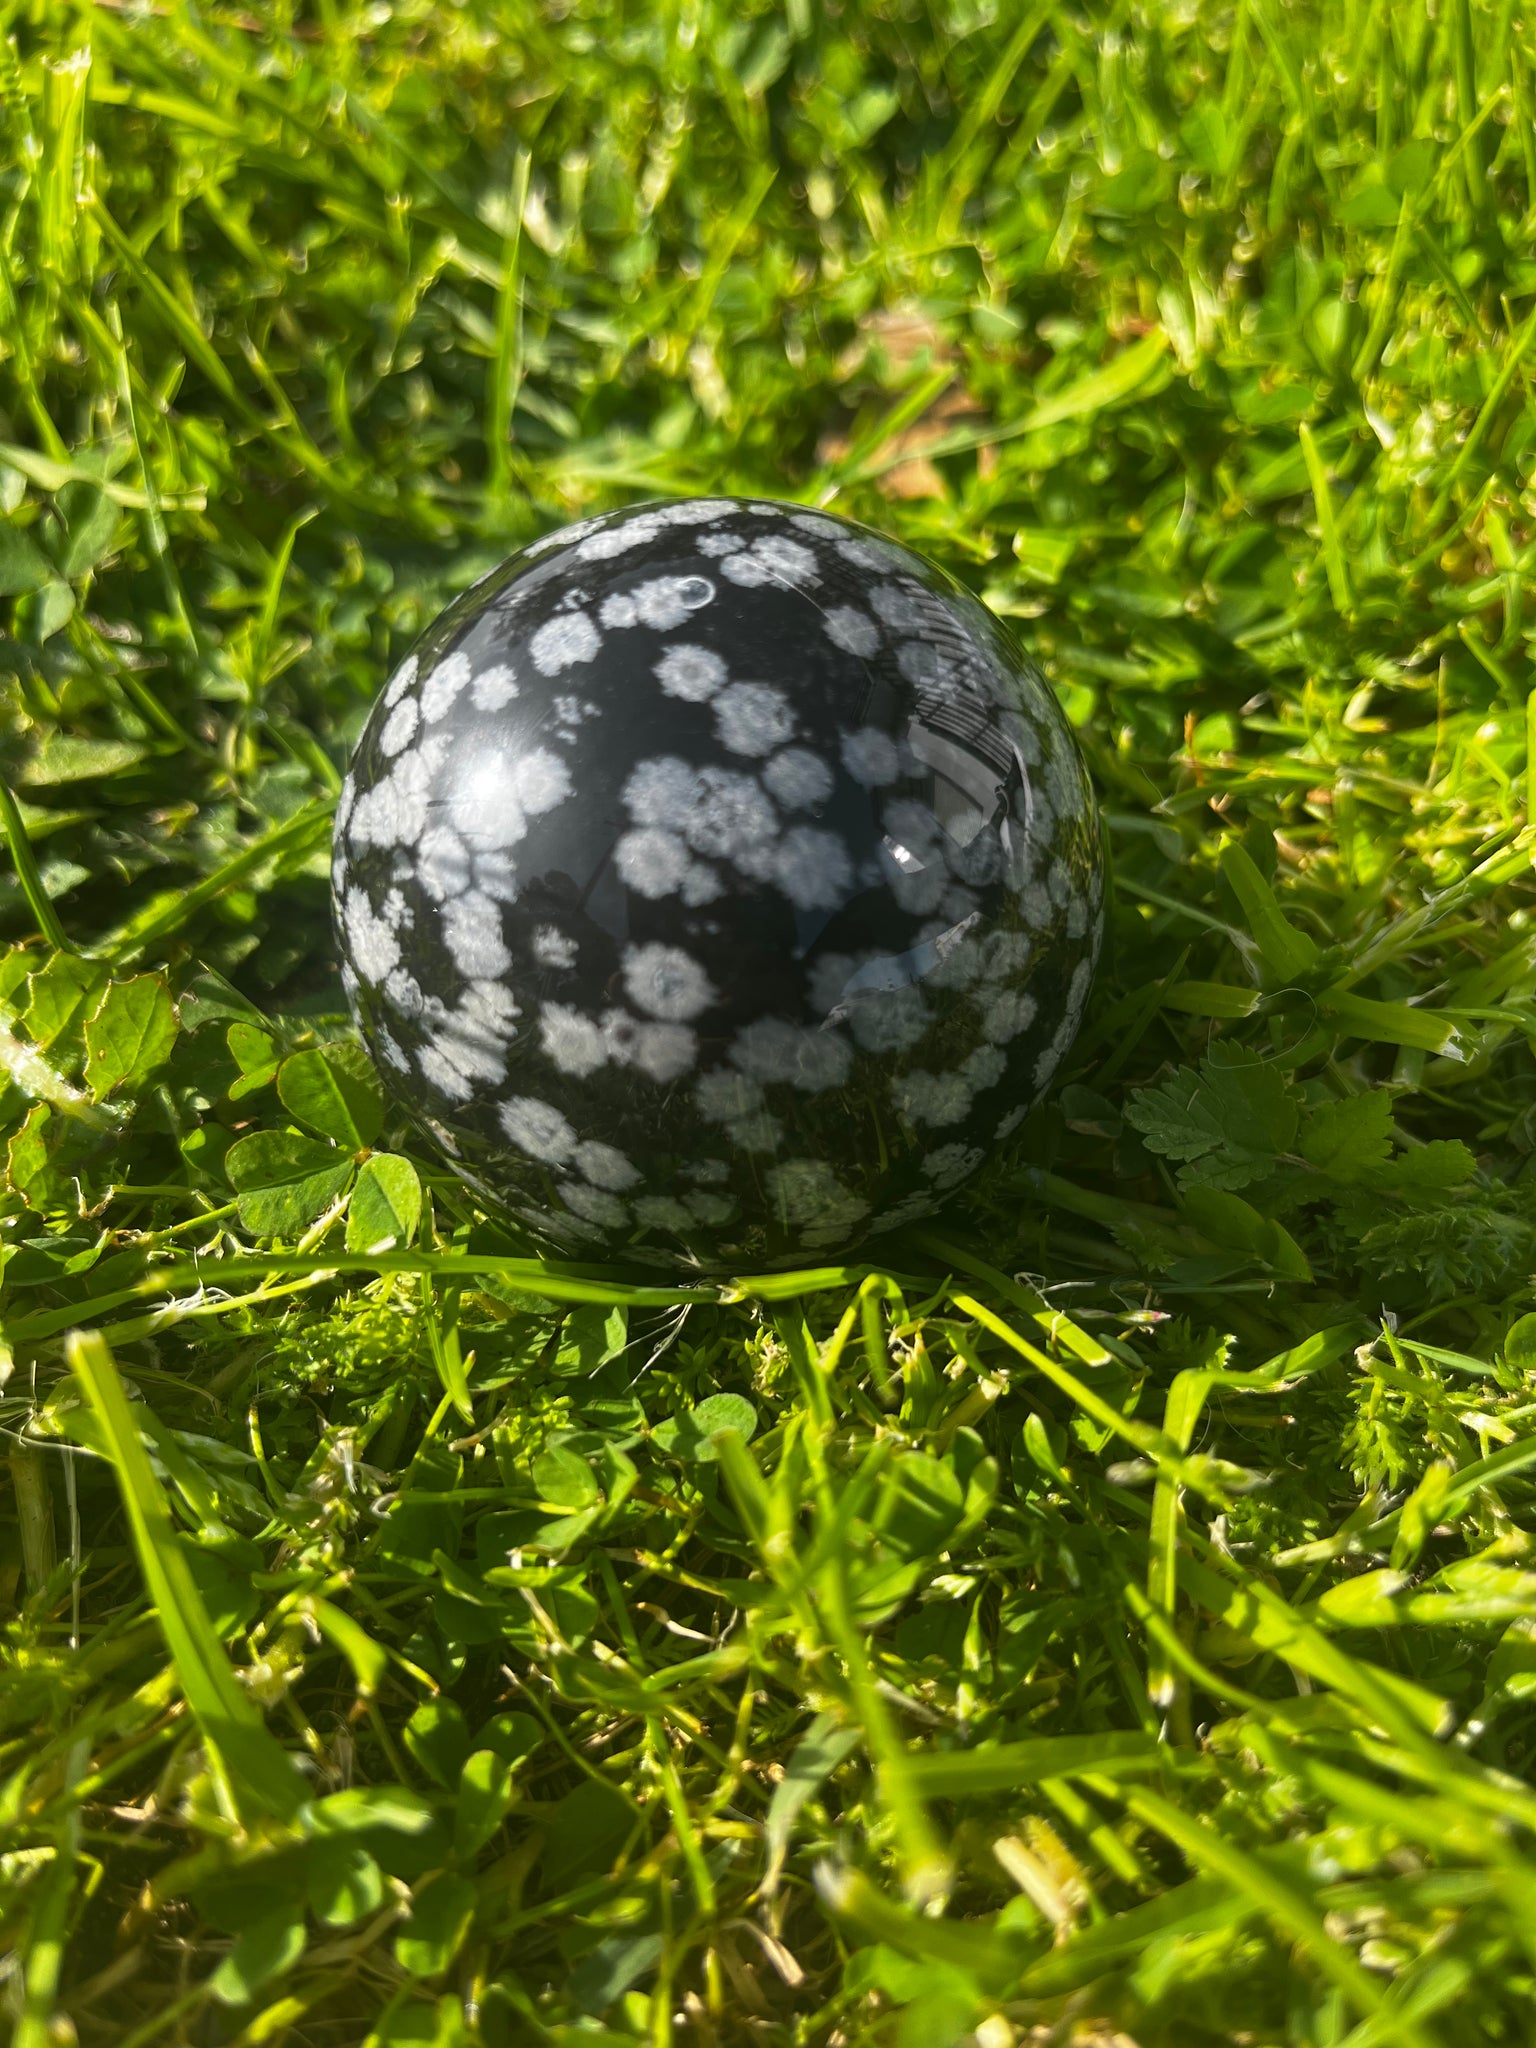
1112	1620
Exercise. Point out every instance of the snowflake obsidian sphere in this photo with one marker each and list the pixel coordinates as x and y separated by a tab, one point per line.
718	884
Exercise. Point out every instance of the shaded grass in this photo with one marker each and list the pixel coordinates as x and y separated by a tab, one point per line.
1114	1615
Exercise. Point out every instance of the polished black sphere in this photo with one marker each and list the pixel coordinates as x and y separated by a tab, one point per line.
718	884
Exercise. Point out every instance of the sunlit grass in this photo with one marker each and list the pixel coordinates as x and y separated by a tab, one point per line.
1112	1621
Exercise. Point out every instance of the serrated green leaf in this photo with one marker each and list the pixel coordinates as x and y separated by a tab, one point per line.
130	1035
334	1090
1346	1139
386	1204
59	998
1228	1123
64	758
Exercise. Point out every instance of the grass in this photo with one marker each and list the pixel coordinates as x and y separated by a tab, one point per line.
1115	1620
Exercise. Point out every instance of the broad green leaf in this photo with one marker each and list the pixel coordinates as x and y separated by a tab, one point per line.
1520	1344
438	1738
343	1881
386	1204
270	1945
589	1337
90	521
64	758
439	1920
362	1808
265	1159
289	1210
334	1090
480	1803
23	565
564	1480
691	1436
130	1035
1365	1601
284	1180
1226	1219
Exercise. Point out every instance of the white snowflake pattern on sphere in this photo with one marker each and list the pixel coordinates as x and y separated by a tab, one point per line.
721	889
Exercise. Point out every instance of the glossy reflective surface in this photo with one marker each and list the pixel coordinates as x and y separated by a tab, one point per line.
718	884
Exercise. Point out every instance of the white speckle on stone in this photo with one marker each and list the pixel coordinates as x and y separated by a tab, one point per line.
399	727
393	1051
773	1049
752	718
605	1166
655	864
539	780
443	1073
496	876
554	948
1007	954
661	604
1006	1015
400	681
812	868
693	511
690	673
538	1129
442	863
572	1041
1049	1060
724	1095
1010	1123
798	778
892	1020
807	1192
1077	992
663	1051
855	632
817	527
984	1068
494	688
771	560
443	685
593	1204
952	1164
757	1133
472	934
666	982
1077	918
937	1099
912	1209
662	1212
562	642
709	1208
403	994
371	942
900	605
871	757
611	541
659	789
